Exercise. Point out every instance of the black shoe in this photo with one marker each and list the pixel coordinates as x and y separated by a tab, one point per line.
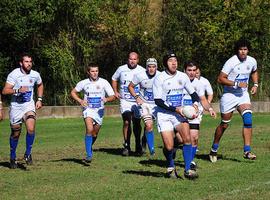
191	174
193	166
13	164
126	150
87	160
28	159
171	173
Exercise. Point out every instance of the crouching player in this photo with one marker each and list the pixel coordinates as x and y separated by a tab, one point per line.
20	84
145	99
95	90
168	89
190	69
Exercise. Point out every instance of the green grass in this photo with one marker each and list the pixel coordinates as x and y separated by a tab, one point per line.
58	172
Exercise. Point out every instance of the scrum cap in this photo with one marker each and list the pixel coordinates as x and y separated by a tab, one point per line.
151	61
169	55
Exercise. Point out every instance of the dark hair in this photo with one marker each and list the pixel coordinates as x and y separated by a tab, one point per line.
90	65
24	54
169	55
191	64
241	43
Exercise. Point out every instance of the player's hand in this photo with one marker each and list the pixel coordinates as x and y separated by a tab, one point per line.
179	110
38	104
83	103
23	89
212	113
253	90
139	101
104	99
117	95
242	84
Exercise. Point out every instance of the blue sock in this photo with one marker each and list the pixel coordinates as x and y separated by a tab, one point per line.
247	148
88	145
187	154
13	146
29	143
194	150
169	157
150	140
215	147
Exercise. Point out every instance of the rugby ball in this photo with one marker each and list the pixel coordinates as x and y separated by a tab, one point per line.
189	112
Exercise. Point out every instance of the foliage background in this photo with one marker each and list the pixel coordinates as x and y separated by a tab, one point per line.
65	35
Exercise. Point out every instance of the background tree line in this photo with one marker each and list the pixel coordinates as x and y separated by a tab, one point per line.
65	35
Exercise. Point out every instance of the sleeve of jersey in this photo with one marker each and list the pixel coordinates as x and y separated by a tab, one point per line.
209	89
157	91
79	86
39	80
116	74
227	67
10	79
135	79
255	66
189	88
108	88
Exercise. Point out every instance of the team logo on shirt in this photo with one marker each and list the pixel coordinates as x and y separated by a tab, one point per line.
180	82
248	67
98	87
31	81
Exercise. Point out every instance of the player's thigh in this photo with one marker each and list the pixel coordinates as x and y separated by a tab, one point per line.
30	120
184	131
228	103
168	139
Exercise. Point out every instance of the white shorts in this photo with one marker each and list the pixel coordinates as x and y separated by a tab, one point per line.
96	115
229	102
16	113
148	109
167	120
129	106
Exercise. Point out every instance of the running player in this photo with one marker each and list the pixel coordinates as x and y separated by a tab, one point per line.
128	106
145	99
20	84
95	90
190	69
168	93
234	77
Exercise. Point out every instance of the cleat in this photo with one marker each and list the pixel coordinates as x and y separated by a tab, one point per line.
126	150
13	164
152	153
250	156
193	166
87	159
171	173
213	156
191	174
28	159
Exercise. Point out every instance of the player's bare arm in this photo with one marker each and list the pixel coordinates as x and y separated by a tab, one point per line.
40	89
255	79
223	79
115	89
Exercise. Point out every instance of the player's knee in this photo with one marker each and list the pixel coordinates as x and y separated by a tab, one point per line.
15	132
247	118
225	123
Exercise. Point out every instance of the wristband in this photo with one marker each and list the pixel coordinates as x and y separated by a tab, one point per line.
39	98
255	85
236	84
1	102
16	91
137	96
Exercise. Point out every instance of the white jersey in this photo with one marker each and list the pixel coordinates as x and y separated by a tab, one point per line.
19	79
207	88
170	88
238	71
125	74
94	92
146	85
196	84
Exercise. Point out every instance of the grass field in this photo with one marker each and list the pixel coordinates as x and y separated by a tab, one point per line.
59	173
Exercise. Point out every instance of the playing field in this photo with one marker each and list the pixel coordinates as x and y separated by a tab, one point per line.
59	173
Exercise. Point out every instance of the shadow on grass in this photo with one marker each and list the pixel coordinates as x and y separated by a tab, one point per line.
219	157
160	163
74	160
7	165
117	151
145	173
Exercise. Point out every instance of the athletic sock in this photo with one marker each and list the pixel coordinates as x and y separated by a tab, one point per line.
29	143
169	157
150	140
93	140
187	154
215	147
194	150
13	146
247	148
88	145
